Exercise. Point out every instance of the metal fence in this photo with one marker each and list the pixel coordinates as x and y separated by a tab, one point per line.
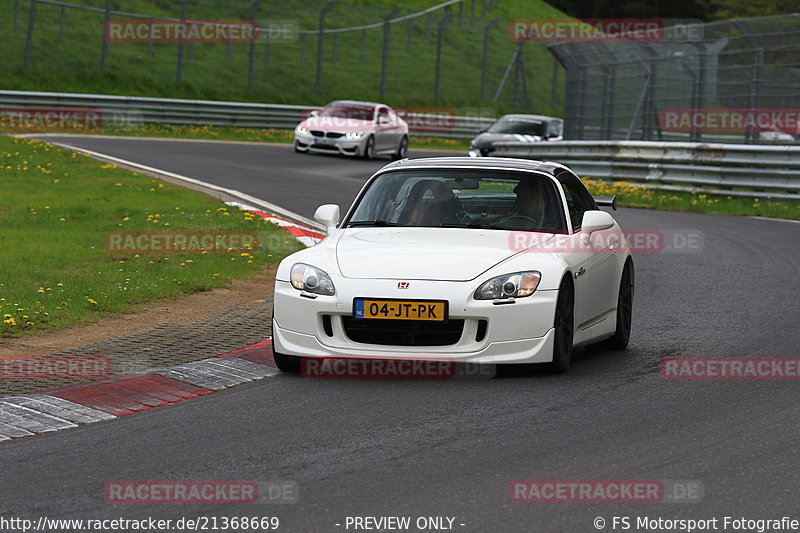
772	171
126	111
730	81
456	53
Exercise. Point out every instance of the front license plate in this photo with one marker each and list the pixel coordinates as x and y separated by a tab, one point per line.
400	309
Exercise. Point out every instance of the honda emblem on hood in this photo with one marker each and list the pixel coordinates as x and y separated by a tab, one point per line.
402	284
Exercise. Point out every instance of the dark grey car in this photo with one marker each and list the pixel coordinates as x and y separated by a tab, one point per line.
518	128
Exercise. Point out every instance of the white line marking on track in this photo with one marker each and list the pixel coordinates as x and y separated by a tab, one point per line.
777	219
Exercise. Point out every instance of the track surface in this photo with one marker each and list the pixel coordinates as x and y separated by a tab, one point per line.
450	448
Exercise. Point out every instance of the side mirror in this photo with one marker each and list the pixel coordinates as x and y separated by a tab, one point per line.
596	221
606	201
328	216
383	120
313	113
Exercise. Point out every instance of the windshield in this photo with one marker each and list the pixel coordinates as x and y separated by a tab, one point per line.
347	111
518	125
503	200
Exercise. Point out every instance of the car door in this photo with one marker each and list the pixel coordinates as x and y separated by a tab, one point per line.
601	253
573	252
396	129
383	130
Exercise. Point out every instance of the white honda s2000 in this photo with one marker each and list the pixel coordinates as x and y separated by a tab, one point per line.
469	260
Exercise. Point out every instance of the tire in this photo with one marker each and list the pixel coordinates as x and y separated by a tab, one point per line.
369	148
287	363
619	341
564	326
402	148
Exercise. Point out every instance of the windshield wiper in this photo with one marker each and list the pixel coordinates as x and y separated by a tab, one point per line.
471	225
376	223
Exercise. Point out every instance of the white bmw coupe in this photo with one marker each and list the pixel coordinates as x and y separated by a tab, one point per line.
470	260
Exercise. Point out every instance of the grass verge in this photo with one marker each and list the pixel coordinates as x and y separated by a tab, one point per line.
59	207
66	50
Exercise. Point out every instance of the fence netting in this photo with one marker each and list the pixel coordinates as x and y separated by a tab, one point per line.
730	81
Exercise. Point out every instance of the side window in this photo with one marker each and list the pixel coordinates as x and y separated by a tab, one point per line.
383	115
554	129
578	200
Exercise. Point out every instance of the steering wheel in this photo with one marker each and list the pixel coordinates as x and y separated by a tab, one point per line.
536	223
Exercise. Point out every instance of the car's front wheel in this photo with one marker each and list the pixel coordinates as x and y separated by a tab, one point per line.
564	326
402	148
369	148
287	363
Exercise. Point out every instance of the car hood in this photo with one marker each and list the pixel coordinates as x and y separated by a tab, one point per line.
485	140
337	124
446	254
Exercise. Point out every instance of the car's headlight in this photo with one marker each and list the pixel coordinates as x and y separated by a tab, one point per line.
353	135
310	279
301	130
516	285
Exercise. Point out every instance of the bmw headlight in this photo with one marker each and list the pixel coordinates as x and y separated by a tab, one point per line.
516	285
301	130
311	279
353	135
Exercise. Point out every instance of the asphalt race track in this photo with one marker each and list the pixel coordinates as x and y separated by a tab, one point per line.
450	448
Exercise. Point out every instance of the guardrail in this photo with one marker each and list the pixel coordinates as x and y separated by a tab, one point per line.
727	168
140	109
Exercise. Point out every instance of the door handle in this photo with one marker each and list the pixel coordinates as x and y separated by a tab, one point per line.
581	271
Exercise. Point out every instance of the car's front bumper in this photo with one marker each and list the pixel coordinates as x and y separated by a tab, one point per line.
341	145
521	332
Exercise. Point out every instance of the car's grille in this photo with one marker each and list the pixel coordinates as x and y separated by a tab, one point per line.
403	332
317	133
334	135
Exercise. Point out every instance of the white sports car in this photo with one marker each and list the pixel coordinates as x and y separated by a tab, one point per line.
349	127
469	260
